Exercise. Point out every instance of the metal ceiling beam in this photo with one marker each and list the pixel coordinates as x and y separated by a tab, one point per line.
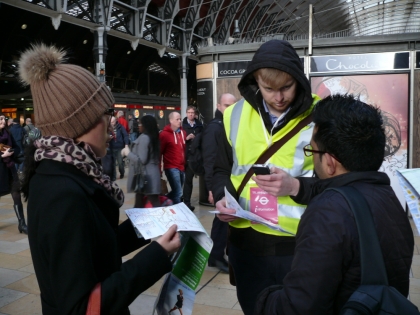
224	31
137	19
191	20
253	27
87	24
246	15
209	24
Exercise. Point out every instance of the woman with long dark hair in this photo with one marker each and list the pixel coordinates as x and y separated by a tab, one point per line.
146	150
9	180
77	241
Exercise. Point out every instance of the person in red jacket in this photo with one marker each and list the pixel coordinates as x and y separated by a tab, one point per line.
172	150
122	121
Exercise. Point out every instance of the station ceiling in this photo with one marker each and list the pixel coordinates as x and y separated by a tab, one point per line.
148	36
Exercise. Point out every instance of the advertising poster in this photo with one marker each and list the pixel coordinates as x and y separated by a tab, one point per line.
205	99
390	93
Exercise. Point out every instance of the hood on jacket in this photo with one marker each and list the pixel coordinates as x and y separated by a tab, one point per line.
218	114
168	128
280	55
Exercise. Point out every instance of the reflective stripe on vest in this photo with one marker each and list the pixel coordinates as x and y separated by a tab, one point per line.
245	134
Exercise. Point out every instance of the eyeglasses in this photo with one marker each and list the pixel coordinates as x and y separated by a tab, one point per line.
307	149
109	112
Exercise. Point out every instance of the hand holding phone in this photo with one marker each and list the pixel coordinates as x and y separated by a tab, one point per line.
261	169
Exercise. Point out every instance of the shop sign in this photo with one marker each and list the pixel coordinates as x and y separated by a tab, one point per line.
361	62
232	69
205	99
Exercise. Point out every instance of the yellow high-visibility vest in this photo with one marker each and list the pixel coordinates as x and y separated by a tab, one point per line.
244	132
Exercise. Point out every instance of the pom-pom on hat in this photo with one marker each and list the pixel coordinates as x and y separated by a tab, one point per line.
68	100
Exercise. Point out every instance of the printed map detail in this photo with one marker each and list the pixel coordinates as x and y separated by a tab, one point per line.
153	222
410	184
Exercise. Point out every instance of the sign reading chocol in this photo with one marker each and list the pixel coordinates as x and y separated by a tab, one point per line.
361	62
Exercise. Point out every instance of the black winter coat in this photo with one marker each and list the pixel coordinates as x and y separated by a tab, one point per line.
195	130
76	241
18	133
212	139
8	176
326	267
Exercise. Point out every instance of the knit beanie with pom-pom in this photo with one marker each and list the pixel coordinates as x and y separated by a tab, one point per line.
68	100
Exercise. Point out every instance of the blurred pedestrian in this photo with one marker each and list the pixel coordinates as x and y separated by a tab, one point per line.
145	151
119	142
9	180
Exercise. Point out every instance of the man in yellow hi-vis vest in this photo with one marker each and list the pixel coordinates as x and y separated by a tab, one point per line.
276	98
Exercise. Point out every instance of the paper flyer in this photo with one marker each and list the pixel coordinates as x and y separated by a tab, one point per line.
153	222
185	276
241	213
177	294
410	184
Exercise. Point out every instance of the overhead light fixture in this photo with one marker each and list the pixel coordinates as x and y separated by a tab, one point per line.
85	42
236	30
128	52
22	99
24	26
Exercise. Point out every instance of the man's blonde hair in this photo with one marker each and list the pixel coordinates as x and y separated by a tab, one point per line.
272	76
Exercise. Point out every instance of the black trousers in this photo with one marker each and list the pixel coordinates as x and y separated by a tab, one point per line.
254	273
188	184
219	233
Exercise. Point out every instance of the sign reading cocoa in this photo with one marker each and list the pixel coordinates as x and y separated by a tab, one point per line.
232	69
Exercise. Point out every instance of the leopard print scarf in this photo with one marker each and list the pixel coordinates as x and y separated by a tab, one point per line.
80	155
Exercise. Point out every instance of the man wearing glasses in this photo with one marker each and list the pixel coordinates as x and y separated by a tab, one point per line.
347	146
192	127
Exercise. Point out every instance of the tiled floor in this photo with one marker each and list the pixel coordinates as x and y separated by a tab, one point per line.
19	292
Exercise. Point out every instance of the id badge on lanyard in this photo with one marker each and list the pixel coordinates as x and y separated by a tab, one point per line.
263	204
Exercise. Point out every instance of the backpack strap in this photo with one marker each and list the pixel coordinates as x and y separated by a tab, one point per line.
273	149
372	262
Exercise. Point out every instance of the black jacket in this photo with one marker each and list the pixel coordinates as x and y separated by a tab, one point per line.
76	241
326	267
276	54
18	133
212	135
195	130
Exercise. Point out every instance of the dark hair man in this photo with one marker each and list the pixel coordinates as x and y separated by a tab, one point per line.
212	136
192	127
347	146
277	97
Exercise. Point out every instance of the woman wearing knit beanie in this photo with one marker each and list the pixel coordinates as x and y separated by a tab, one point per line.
75	237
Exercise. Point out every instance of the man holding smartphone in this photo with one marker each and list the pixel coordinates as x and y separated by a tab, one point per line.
277	98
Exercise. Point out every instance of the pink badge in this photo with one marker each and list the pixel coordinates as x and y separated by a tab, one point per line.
264	205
